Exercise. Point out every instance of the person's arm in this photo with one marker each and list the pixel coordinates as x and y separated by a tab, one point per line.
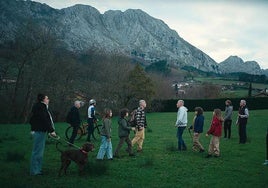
124	124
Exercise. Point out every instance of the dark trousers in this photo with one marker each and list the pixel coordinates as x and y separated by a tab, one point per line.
90	128
120	144
227	128
74	133
242	133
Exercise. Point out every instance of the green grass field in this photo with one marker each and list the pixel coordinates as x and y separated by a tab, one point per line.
160	165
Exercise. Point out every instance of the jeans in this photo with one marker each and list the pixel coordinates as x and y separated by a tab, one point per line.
181	144
39	140
105	148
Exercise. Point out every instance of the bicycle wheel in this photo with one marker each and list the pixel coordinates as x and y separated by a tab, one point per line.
69	130
96	132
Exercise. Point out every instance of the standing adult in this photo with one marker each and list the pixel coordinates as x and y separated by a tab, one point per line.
75	120
181	124
243	115
123	132
228	119
91	118
41	122
141	124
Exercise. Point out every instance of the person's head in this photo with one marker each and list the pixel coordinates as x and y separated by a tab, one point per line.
142	104
42	98
217	112
107	113
228	103
180	103
198	110
77	104
243	103
92	102
124	112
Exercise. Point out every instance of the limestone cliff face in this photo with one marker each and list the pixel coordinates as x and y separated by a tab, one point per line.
133	33
236	64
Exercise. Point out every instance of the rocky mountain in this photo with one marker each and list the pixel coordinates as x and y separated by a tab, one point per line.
80	27
236	64
133	33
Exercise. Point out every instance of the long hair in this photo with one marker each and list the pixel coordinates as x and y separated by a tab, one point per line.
217	113
106	113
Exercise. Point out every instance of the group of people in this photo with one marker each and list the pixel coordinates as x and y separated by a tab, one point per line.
124	128
215	127
41	123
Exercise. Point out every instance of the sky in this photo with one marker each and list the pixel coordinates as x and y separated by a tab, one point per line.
220	28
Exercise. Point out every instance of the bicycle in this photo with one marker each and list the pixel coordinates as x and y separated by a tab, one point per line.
83	130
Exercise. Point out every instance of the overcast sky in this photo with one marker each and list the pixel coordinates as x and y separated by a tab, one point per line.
218	28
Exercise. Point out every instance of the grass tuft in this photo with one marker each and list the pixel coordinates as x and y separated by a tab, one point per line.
146	162
97	168
15	156
171	147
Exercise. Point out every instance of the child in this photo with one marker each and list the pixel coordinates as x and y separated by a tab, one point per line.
198	129
123	133
106	144
215	130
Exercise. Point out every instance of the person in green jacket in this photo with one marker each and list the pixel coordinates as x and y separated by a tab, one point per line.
123	132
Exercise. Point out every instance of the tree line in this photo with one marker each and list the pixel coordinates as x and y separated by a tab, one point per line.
36	62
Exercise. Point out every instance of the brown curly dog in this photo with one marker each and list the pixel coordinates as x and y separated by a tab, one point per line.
79	156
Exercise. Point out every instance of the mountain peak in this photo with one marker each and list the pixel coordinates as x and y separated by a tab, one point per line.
236	64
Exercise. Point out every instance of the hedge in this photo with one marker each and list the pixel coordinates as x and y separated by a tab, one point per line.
208	104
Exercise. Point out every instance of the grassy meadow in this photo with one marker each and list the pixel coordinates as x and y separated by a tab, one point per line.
160	165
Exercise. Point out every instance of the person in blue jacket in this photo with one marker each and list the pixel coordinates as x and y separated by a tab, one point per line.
198	124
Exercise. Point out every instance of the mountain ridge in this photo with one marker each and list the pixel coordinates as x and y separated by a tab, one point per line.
132	32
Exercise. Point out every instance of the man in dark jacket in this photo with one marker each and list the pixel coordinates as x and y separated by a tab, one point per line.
41	122
75	120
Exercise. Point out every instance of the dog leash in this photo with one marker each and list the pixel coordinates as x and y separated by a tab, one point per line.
57	138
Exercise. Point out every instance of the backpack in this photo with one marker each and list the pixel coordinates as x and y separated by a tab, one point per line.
69	117
132	121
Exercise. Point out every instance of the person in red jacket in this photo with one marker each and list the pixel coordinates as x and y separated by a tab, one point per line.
215	130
